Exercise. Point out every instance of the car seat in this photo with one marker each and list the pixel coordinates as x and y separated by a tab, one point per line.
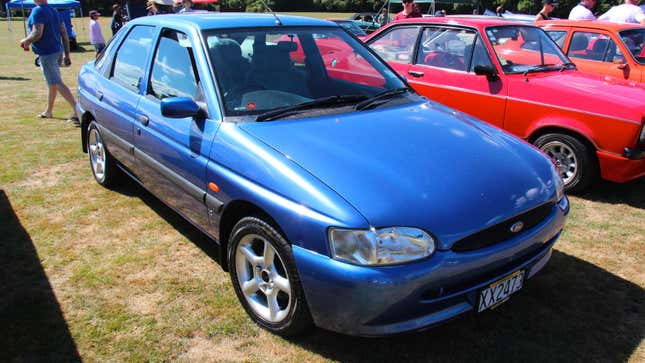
273	69
578	47
230	67
599	49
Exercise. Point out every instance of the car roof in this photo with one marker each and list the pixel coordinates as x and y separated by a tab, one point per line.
468	20
213	20
591	24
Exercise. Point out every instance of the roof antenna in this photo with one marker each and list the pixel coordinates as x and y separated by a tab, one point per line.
277	20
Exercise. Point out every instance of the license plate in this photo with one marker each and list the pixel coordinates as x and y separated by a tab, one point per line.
500	291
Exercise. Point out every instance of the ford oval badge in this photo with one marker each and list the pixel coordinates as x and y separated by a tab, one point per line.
517	226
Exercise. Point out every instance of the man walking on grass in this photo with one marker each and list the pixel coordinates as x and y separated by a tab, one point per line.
45	33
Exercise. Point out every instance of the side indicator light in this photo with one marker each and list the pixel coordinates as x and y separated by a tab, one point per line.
212	186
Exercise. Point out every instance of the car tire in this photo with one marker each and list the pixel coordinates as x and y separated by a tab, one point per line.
573	159
265	278
103	165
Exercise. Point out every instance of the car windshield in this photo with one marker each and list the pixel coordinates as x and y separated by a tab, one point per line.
522	49
260	71
351	27
634	40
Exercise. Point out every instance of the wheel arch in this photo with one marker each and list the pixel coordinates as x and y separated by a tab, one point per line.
233	213
86	119
535	134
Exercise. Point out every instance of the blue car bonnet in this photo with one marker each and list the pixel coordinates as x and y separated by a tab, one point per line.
421	165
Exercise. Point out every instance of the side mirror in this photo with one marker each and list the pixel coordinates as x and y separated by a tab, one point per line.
489	72
179	107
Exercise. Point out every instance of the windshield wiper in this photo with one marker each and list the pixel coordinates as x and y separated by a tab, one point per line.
540	68
370	102
317	103
567	65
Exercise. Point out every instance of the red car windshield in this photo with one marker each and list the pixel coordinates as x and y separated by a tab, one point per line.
634	40
521	49
259	70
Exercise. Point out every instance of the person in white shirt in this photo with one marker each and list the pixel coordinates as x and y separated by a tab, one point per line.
96	36
583	11
187	7
628	12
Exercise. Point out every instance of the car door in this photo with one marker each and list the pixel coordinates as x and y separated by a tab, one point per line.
597	52
119	92
173	152
444	70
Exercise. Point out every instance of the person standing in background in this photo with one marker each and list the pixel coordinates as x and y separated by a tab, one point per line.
629	12
408	11
187	7
117	19
152	8
96	36
583	11
547	7
48	38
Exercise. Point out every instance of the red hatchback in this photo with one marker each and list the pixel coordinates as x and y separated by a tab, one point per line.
514	76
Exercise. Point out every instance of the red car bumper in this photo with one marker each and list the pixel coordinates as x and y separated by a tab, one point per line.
620	169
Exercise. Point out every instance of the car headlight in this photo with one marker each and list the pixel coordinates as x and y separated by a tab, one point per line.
559	184
383	246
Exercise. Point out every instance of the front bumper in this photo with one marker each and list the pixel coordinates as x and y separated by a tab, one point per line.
375	301
620	169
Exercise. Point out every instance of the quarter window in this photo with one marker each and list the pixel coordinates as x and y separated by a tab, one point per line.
558	37
130	61
173	72
396	45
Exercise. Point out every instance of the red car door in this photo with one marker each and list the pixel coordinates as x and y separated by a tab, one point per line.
444	70
396	46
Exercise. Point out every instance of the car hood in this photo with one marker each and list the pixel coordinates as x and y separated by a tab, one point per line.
586	92
422	165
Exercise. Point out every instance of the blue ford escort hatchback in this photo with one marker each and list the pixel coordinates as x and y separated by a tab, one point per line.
338	196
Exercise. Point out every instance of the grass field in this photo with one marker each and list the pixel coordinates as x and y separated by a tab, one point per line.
113	275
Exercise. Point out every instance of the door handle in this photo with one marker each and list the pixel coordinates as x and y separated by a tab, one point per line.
415	74
144	120
99	95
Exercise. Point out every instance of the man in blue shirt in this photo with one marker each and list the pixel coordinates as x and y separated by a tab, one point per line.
46	33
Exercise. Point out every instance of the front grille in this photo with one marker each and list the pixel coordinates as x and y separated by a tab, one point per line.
502	231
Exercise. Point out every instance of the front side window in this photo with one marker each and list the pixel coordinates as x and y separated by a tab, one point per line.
397	45
259	70
521	49
173	72
129	64
634	40
449	48
593	46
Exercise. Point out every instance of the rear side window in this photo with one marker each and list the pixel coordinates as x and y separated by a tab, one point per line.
173	70
130	60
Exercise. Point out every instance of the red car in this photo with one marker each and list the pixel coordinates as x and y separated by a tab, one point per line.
514	76
611	49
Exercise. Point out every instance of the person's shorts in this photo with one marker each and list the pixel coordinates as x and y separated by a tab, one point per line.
51	69
99	47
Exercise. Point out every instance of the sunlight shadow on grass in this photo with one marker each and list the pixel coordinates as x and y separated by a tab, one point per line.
131	188
3	78
632	193
32	326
